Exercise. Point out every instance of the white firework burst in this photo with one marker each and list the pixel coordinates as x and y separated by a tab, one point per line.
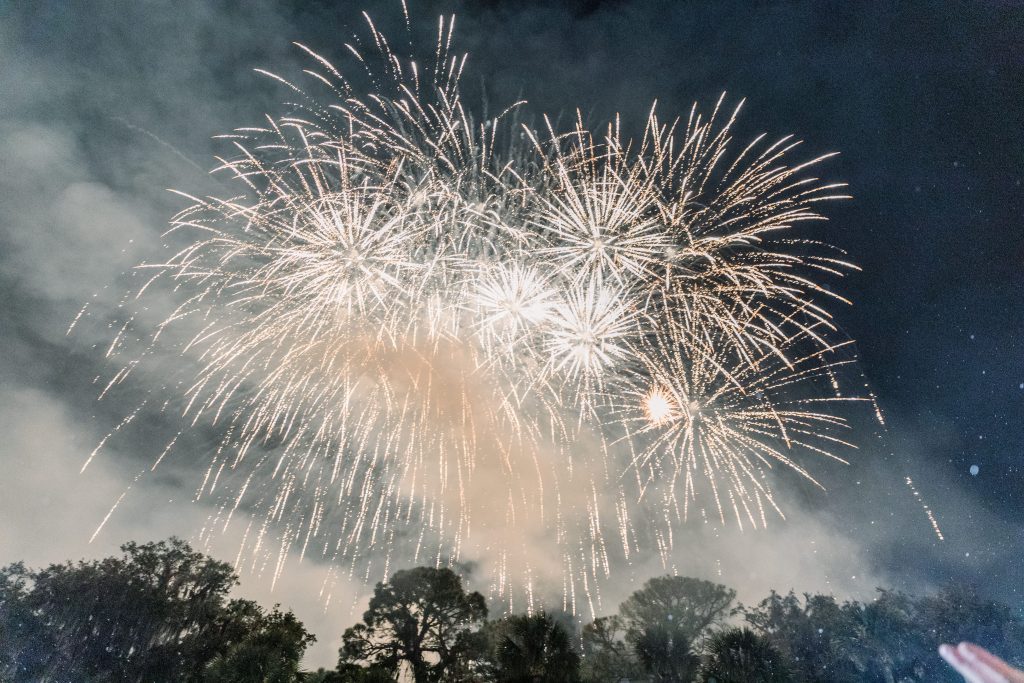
430	338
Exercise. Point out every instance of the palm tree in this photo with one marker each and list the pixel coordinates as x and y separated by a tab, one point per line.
533	649
738	655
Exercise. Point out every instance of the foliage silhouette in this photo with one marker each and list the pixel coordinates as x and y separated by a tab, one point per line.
533	649
160	612
738	655
421	618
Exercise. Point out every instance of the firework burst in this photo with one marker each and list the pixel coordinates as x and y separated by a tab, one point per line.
425	338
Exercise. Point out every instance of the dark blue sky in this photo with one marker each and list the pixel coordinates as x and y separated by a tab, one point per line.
924	100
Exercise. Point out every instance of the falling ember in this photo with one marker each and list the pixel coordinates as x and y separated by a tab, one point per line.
927	510
426	337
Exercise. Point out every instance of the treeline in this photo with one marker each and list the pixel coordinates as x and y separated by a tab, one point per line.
674	628
161	612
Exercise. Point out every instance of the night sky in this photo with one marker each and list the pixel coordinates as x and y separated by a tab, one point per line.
104	105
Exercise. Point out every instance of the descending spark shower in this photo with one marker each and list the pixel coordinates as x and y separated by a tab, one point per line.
424	337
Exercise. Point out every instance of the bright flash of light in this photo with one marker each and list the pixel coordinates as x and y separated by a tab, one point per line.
659	407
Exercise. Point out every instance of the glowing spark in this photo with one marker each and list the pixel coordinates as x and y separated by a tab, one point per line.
927	510
659	407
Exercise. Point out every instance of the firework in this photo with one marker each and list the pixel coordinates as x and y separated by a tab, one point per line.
424	337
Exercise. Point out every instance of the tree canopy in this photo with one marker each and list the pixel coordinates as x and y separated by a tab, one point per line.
738	655
533	649
160	612
681	604
892	638
421	618
607	657
665	619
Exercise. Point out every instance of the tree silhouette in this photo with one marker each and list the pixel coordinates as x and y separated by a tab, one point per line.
421	618
160	612
738	655
665	619
26	643
607	657
157	613
533	649
891	639
665	654
269	652
681	605
814	634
